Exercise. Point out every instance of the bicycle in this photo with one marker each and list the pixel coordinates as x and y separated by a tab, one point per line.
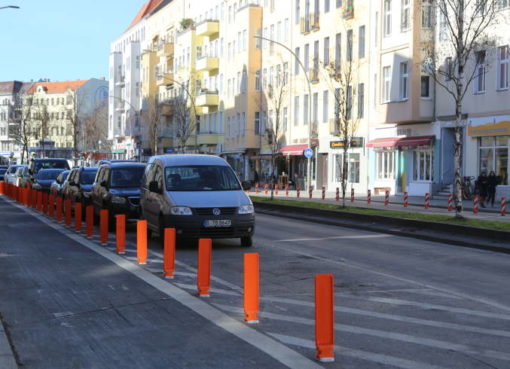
467	191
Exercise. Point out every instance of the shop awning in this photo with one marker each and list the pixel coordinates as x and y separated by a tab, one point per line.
293	150
401	141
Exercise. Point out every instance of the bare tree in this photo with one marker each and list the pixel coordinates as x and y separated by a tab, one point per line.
40	125
275	96
96	128
183	112
464	26
74	118
154	119
341	79
21	131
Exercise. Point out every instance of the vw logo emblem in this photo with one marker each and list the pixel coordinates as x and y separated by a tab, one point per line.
216	211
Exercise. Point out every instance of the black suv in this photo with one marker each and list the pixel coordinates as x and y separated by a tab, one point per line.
78	186
117	188
48	163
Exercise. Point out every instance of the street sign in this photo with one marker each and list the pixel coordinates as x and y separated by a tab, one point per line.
308	152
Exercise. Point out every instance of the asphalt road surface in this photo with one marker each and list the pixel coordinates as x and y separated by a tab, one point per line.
400	302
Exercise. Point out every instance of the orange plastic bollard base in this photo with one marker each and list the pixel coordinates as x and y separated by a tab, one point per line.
324	317
169	253
204	267
251	288
141	241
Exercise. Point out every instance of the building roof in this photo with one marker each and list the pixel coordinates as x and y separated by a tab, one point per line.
146	8
57	87
10	87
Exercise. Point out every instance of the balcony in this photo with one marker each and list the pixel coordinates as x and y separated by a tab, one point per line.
309	23
163	79
208	28
165	48
313	75
208	138
207	98
349	9
120	82
207	64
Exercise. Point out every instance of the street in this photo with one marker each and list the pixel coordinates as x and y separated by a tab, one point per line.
400	302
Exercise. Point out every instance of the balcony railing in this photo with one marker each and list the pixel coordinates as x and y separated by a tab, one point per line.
313	75
206	63
310	22
207	98
208	28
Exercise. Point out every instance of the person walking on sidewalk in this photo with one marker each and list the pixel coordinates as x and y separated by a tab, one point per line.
492	182
482	184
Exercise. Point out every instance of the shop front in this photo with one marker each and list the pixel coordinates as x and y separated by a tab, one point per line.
404	164
296	164
487	151
356	162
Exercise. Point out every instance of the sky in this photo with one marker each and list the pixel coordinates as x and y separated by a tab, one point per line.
60	39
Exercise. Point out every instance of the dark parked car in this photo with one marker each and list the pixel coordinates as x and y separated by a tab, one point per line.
45	178
78	187
3	169
56	186
49	163
117	188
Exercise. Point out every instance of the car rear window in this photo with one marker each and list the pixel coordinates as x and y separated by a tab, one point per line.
57	164
48	174
127	177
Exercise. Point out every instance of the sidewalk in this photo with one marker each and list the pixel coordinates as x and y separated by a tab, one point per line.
69	303
416	204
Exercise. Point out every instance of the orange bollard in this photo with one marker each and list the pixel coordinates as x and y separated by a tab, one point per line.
103	226
51	206
39	201
89	215
67	210
169	253
45	203
59	209
141	241
204	266
2	188
324	317
251	288
77	216
34	199
121	233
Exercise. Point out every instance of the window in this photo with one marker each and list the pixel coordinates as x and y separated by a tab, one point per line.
387	18
493	155
338	51
423	168
305	109
326	51
353	167
348	107
448	63
405	16
326	6
386	87
296	110
480	72
325	102
385	161
361	100
404	80
348	55
338	3
296	62
306	57
503	60
285	119
361	42
425	86
257	81
315	111
426	13
298	11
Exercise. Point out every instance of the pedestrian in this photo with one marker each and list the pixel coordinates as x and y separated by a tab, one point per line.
255	177
482	184
492	182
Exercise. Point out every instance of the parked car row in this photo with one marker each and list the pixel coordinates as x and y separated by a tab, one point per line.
199	195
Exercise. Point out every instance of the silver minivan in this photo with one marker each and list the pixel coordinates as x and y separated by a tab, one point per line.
198	195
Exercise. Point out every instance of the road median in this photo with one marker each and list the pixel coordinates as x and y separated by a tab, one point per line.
482	234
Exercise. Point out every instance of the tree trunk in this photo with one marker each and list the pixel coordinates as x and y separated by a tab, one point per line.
457	188
344	171
272	174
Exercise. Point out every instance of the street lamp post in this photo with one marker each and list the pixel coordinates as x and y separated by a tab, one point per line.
182	85
309	160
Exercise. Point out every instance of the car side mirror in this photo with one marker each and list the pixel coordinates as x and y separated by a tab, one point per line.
154	187
246	185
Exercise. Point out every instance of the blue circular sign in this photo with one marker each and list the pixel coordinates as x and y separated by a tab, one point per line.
308	153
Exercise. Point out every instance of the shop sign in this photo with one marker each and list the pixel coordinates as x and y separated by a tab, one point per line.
496	129
355	142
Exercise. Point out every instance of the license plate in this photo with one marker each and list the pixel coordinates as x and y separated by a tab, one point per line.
217	223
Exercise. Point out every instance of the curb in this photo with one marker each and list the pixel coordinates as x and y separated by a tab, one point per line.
478	238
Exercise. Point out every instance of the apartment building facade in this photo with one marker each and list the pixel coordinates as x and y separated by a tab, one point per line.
9	96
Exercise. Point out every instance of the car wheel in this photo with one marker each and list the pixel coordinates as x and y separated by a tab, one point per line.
246	241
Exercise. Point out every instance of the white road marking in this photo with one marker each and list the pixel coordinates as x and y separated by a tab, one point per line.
429	342
271	347
192	287
357	354
353	237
